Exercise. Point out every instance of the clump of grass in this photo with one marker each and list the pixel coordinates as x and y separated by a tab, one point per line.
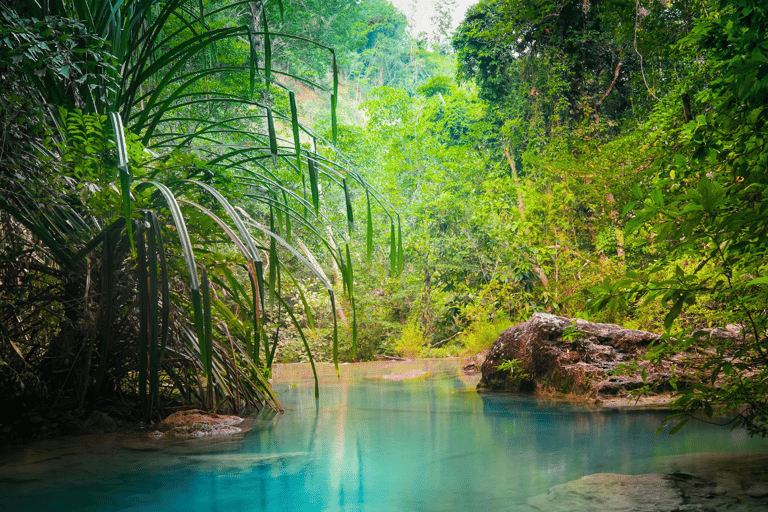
411	342
481	334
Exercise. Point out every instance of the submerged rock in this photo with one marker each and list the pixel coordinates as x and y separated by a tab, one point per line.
558	354
605	492
710	483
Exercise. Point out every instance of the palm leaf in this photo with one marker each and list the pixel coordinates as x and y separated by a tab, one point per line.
125	176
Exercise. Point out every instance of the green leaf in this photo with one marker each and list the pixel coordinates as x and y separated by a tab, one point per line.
142	282
674	312
206	343
313	185
392	250
348	201
677	428
153	314
272	136
334	97
400	254
657	196
253	62
335	334
267	46
295	128
349	274
273	263
181	230
369	228
125	176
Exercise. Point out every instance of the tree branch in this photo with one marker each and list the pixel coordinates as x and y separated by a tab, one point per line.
610	87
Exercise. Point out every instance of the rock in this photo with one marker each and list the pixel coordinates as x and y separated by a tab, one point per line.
195	423
471	364
97	423
757	491
713	482
567	356
604	492
101	423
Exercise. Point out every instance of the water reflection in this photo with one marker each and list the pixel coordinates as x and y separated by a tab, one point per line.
368	444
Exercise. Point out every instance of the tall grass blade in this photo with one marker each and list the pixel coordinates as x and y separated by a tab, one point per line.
334	122
254	270
272	136
181	229
348	201
349	274
252	252
287	218
334	97
295	128
125	177
400	255
267	45
392	250
153	315
206	344
106	309
354	327
189	259
143	289
368	228
165	284
335	333
253	62
313	184
273	262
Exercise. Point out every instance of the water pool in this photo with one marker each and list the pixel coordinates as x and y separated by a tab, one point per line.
370	444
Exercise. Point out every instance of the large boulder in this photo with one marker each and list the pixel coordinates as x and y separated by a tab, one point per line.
558	354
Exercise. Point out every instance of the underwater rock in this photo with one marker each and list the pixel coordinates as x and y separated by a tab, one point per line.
715	482
605	492
566	356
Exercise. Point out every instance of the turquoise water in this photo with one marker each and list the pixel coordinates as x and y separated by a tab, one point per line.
370	444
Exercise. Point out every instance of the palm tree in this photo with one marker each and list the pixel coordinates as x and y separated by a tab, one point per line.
115	272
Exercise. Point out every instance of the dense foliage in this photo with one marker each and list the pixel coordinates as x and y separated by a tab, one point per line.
666	100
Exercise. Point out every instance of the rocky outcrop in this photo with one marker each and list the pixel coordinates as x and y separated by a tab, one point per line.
195	423
554	353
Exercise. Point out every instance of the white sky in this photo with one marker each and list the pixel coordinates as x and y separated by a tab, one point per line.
419	12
